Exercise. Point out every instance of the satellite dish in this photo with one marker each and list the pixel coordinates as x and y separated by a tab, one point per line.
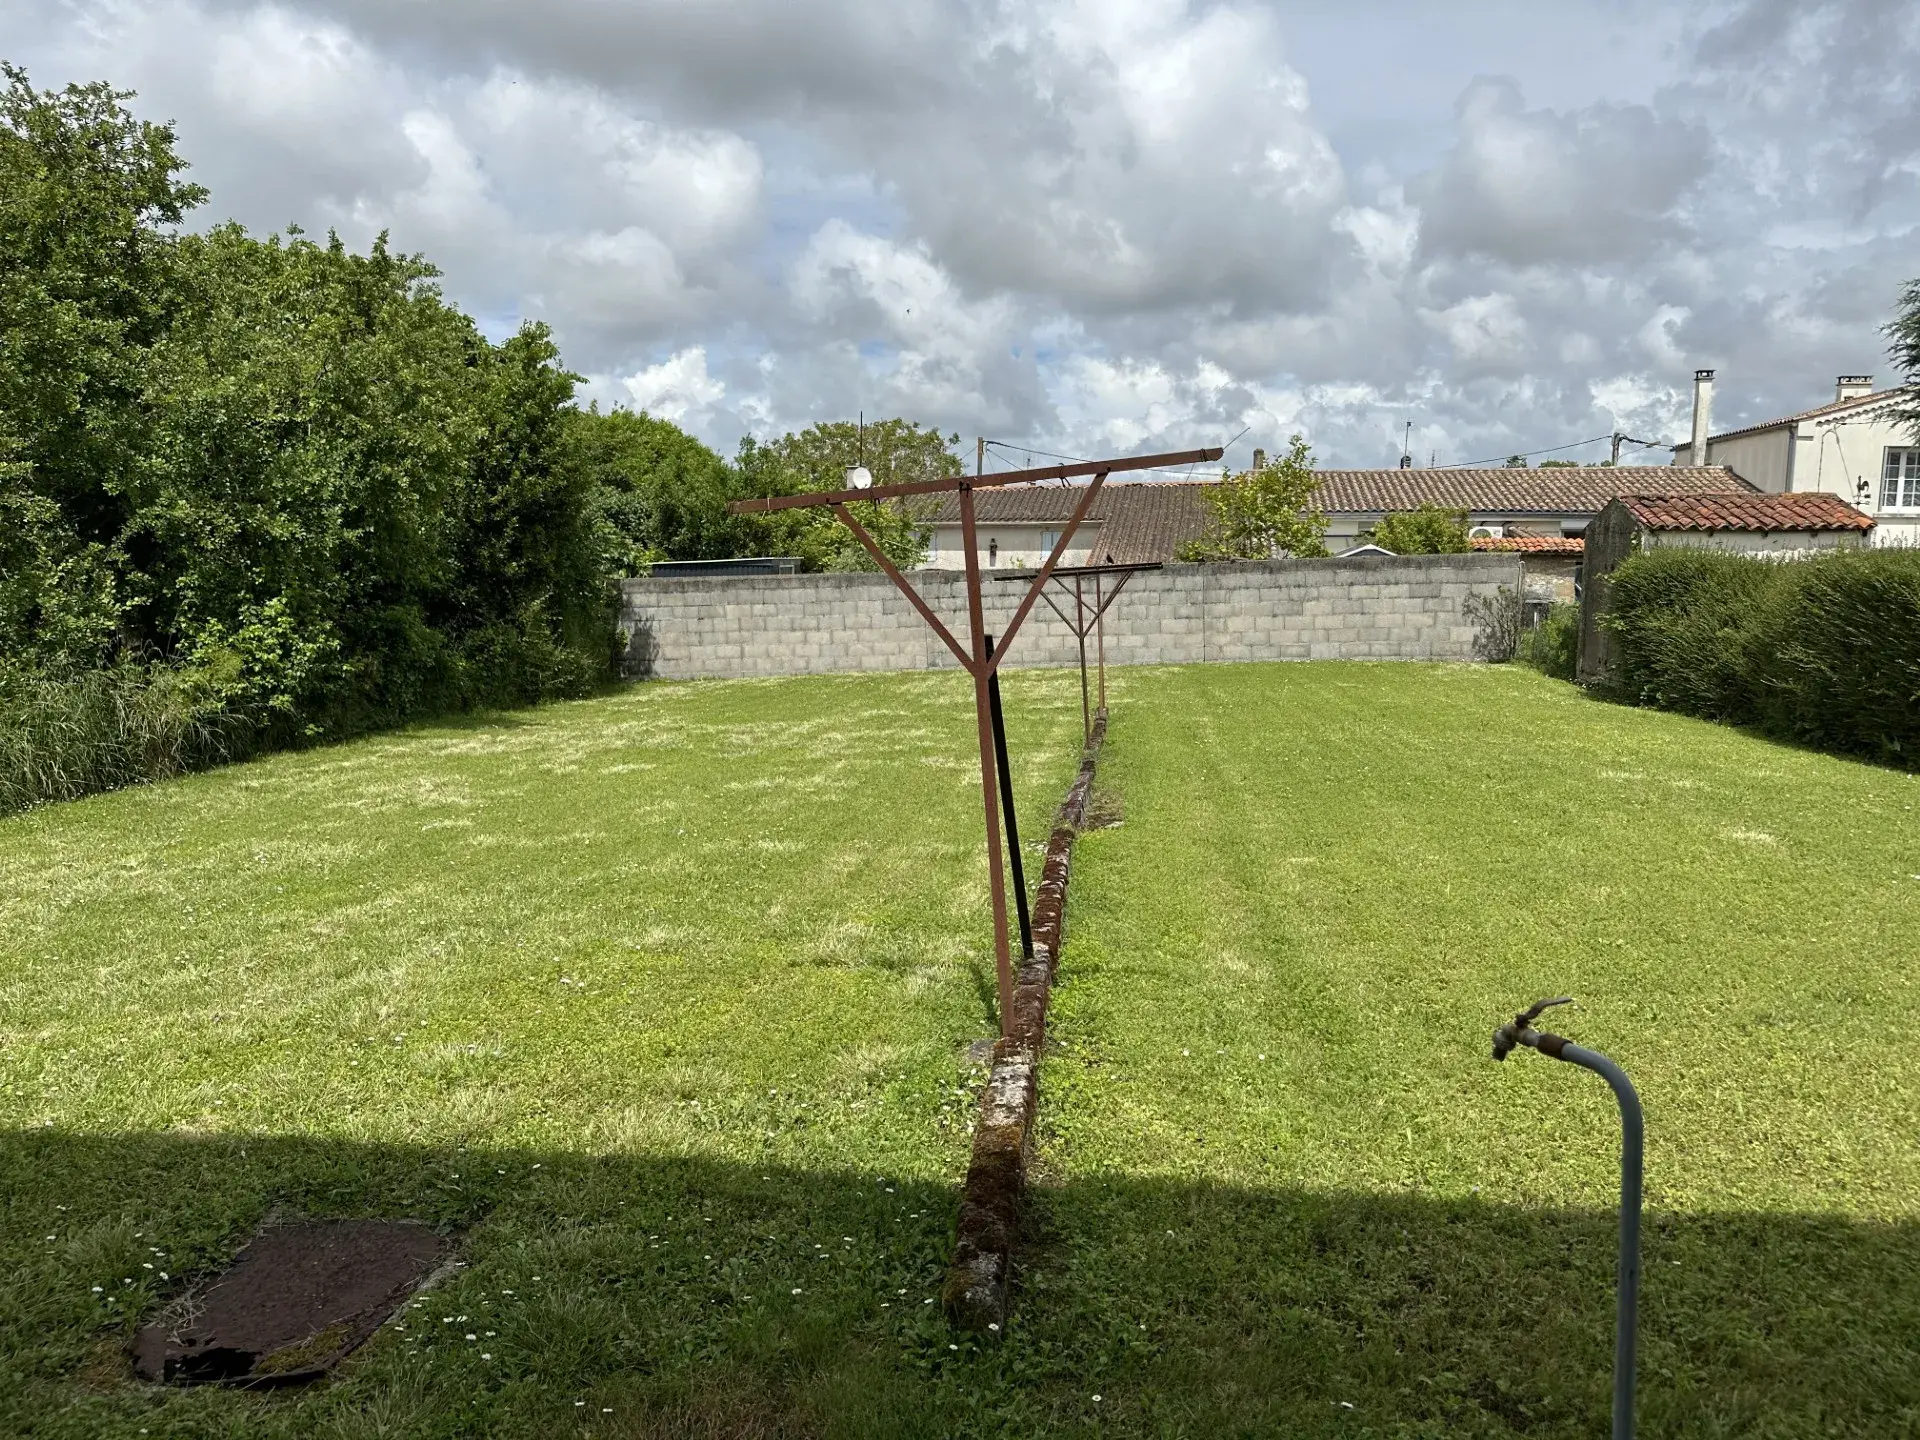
859	478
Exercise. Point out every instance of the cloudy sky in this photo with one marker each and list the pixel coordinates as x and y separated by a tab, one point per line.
1090	226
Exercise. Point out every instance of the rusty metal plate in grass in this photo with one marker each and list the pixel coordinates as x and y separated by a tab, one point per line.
294	1303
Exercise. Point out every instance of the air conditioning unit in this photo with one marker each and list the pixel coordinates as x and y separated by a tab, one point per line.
1487	532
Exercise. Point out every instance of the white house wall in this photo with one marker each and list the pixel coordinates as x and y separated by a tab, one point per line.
1009	547
1897	531
1836	458
1832	454
1761	460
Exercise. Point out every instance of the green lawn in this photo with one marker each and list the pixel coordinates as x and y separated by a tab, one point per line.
662	1000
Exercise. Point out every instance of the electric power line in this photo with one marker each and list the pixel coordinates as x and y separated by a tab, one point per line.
1528	455
1030	451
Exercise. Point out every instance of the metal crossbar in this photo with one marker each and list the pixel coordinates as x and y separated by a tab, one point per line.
1082	624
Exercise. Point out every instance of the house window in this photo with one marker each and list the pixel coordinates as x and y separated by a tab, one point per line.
1048	539
1900	481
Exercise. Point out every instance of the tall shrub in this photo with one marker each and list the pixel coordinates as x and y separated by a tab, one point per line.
1823	651
1682	618
1836	662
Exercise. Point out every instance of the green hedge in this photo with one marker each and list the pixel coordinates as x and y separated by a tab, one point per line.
1824	651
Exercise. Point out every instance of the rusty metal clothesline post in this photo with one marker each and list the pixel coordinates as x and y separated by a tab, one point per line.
980	657
1088	619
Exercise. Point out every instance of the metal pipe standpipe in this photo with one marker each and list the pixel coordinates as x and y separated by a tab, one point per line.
1520	1031
1006	808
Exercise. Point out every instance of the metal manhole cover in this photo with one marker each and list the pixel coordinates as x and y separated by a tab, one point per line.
292	1305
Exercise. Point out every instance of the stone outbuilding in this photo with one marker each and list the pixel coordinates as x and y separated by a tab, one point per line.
1778	526
1551	564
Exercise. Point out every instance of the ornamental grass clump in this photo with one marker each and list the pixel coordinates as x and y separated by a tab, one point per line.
68	732
1553	646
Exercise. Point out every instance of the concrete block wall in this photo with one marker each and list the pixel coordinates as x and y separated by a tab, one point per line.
1412	607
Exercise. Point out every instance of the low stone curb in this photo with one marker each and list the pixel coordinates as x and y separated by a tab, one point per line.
975	1294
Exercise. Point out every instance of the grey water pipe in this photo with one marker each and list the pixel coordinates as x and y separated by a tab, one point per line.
1520	1031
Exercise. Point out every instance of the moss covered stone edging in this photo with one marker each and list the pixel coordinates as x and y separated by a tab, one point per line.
975	1294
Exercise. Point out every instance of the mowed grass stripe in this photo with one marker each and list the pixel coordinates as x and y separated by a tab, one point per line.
729	1153
1332	881
550	977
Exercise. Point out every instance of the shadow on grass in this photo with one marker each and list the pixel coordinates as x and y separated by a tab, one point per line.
685	1297
1621	698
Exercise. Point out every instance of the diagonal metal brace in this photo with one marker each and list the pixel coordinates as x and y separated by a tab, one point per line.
905	586
1046	570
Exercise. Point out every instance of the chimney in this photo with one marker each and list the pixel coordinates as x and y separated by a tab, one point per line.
1852	387
1259	459
1702	415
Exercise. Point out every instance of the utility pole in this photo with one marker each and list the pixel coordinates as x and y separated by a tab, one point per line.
980	455
1619	439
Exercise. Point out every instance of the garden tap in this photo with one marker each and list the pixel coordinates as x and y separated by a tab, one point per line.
1520	1031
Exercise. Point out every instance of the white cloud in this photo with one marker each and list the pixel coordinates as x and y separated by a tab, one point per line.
1485	331
1093	224
676	388
1540	186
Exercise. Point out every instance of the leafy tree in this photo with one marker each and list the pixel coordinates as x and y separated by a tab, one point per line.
818	458
658	493
291	474
315	417
1264	513
254	491
1563	464
86	290
1903	348
531	608
1429	530
1516	462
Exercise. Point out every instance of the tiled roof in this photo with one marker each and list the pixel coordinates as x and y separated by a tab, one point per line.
1832	407
1146	520
1743	510
1557	490
1140	521
1024	504
1533	544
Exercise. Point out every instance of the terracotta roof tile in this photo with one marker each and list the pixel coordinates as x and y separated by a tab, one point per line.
1558	490
1533	544
1148	522
1140	521
1744	510
1029	504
